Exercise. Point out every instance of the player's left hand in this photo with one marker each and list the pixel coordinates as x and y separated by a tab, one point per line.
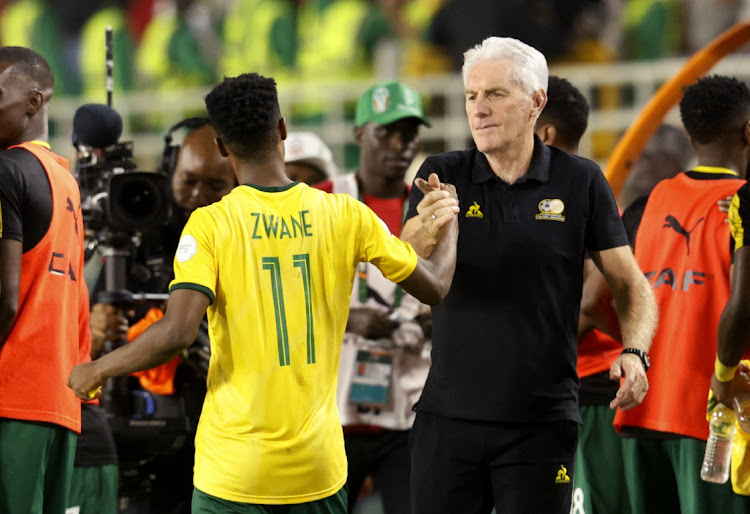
634	385
85	381
724	392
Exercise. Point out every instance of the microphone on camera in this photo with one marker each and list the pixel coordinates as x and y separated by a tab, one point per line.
96	125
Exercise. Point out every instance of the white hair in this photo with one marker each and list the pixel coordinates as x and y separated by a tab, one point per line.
530	65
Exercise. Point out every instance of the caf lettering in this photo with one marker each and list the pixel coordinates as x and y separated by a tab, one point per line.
57	266
667	277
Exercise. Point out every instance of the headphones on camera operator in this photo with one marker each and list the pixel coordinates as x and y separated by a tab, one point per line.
171	151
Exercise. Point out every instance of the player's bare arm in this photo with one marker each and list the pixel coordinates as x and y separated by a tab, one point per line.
158	344
431	279
734	326
597	310
11	252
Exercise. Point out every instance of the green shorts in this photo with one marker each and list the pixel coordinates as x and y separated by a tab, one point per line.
663	475
599	480
94	490
206	504
36	465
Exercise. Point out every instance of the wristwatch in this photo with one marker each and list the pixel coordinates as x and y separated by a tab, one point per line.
640	353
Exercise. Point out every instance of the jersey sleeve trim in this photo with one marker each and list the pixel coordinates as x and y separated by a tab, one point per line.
737	217
406	273
194	287
11	235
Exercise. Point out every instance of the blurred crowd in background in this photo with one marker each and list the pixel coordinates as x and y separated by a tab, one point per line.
168	46
164	44
164	47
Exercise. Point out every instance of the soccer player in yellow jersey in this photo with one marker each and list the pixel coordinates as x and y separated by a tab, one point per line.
274	263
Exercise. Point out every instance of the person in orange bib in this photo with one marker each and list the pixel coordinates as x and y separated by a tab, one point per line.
600	464
682	243
44	303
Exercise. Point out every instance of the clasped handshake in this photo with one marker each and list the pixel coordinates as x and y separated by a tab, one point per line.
439	205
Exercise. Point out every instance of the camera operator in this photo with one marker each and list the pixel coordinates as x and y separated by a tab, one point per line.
199	176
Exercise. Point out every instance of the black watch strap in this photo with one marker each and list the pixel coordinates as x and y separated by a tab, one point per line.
640	353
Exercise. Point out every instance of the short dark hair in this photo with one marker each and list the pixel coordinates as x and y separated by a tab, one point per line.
670	140
244	111
714	108
566	109
30	63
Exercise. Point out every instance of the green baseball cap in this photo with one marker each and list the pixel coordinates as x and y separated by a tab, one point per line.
386	102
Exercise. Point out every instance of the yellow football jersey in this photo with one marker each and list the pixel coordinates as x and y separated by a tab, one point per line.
278	265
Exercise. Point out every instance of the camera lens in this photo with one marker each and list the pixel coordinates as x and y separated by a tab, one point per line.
138	200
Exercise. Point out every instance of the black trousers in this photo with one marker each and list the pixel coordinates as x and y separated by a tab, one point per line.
469	467
385	455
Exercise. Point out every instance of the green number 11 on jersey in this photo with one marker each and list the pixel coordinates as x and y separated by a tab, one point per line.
301	261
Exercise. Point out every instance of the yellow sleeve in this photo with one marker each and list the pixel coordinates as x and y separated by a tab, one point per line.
393	257
194	263
739	216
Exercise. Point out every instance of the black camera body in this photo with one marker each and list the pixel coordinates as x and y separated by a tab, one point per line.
115	197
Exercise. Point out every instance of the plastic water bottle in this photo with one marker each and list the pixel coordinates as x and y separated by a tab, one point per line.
718	454
742	400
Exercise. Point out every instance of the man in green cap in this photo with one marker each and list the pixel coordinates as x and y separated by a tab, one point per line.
384	358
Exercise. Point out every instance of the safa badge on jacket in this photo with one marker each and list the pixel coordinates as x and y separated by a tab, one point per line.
551	209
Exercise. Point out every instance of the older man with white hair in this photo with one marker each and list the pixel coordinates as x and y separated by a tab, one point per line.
497	422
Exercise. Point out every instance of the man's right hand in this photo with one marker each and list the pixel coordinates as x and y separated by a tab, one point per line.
438	207
108	323
370	323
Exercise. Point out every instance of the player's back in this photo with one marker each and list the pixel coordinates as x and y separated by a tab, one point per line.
280	263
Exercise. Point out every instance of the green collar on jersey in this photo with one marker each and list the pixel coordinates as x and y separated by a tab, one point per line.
272	189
